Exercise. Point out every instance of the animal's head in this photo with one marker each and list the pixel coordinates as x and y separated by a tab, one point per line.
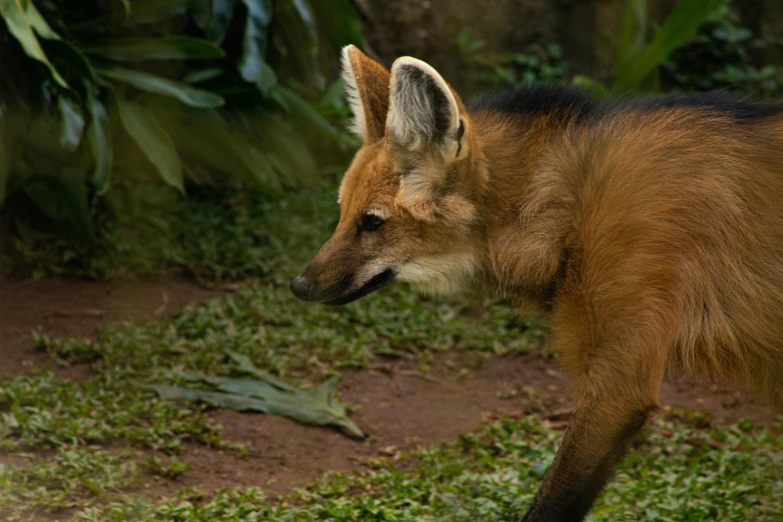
407	202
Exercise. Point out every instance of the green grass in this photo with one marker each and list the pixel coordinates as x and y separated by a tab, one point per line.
87	446
255	237
493	474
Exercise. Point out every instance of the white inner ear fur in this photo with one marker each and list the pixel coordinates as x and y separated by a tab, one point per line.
412	115
359	123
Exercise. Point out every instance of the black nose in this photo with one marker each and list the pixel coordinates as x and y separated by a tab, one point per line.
300	287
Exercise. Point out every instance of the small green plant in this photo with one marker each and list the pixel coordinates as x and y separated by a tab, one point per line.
721	56
171	467
539	63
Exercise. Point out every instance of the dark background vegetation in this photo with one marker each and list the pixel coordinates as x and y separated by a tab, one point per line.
135	134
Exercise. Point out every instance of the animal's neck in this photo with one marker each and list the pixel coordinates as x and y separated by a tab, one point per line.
526	208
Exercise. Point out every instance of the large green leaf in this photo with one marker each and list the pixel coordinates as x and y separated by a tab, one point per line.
682	23
317	406
167	48
303	112
254	44
633	32
99	136
203	75
37	22
5	158
219	19
245	365
16	14
71	122
158	85
339	21
309	45
297	24
204	137
153	140
70	59
267	79
285	150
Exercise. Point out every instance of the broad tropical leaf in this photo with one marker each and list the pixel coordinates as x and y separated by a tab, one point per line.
245	365
298	26
99	136
205	137
265	394
304	112
633	32
682	23
158	85
203	75
68	58
153	141
266	79
71	121
219	19
339	21
168	48
37	22
254	45
20	26
5	160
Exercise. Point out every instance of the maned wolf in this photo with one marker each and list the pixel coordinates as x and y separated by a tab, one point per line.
649	231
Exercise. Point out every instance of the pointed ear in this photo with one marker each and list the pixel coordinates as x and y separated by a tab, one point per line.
424	110
367	90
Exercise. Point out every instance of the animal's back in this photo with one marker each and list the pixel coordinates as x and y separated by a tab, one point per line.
678	230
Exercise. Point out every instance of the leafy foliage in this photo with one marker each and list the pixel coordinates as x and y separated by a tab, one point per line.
120	94
261	392
491	69
637	63
638	60
721	56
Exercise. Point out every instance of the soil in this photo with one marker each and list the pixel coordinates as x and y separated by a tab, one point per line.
75	308
397	406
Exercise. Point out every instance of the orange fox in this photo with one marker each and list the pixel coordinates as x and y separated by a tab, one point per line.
649	231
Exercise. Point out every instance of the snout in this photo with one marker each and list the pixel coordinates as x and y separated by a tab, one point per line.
340	272
344	291
301	288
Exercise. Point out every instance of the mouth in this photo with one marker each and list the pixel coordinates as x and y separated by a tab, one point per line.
376	283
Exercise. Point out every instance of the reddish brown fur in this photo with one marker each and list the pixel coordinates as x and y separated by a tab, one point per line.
649	236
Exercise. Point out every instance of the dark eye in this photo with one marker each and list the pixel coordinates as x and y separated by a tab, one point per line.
370	223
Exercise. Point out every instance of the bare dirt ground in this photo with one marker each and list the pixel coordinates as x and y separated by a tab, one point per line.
72	308
397	406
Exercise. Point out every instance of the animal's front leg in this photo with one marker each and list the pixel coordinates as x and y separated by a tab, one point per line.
597	438
617	364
